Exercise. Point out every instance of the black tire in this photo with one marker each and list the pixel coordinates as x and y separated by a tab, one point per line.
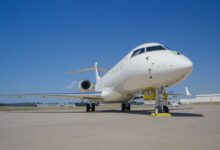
128	107
123	107
87	107
158	109
93	107
165	109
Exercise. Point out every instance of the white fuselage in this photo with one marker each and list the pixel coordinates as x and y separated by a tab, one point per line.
153	69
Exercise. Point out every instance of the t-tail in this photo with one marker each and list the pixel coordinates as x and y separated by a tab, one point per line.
96	68
97	74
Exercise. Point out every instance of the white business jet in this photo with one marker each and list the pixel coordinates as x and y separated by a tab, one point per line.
150	66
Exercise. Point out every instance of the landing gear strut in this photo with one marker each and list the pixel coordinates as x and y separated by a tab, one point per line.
125	106
90	107
161	106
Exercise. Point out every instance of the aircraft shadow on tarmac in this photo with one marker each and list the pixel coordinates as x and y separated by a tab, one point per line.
148	113
134	112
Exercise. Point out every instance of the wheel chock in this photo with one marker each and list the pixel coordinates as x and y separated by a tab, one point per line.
161	115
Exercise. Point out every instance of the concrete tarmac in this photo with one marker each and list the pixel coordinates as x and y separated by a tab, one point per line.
194	127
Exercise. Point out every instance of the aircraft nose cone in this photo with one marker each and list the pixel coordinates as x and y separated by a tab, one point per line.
187	65
184	65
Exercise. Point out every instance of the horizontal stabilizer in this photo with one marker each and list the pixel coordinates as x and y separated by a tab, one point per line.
87	70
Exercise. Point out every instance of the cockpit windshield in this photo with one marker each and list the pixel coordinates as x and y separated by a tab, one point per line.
148	49
155	48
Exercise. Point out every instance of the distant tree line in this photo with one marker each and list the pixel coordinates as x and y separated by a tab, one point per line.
19	104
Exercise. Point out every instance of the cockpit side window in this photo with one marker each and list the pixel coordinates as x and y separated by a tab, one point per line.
137	52
155	48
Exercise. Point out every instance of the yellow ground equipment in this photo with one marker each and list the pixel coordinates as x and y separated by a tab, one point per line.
150	94
161	115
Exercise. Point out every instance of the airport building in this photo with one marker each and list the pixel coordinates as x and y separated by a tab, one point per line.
203	98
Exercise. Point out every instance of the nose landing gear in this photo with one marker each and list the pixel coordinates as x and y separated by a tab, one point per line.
161	107
166	109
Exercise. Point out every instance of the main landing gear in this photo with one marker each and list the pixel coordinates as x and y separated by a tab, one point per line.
90	107
161	106
125	107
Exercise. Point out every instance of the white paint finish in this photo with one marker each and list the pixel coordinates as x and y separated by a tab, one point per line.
132	74
154	69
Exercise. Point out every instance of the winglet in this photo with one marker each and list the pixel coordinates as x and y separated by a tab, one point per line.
97	75
187	91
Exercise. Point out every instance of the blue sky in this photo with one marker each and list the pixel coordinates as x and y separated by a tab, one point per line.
41	40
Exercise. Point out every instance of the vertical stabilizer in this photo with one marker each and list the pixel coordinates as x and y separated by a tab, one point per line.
187	91
97	75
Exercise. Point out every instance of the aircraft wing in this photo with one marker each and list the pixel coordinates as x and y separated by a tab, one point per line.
94	96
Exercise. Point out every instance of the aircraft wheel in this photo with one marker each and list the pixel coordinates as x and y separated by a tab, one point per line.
93	107
158	110
165	109
123	107
128	107
87	107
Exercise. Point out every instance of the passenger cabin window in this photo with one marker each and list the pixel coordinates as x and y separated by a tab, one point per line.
137	52
155	48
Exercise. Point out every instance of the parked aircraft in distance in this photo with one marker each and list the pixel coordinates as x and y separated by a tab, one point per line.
148	67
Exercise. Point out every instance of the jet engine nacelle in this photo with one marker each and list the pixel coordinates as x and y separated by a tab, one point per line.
86	86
